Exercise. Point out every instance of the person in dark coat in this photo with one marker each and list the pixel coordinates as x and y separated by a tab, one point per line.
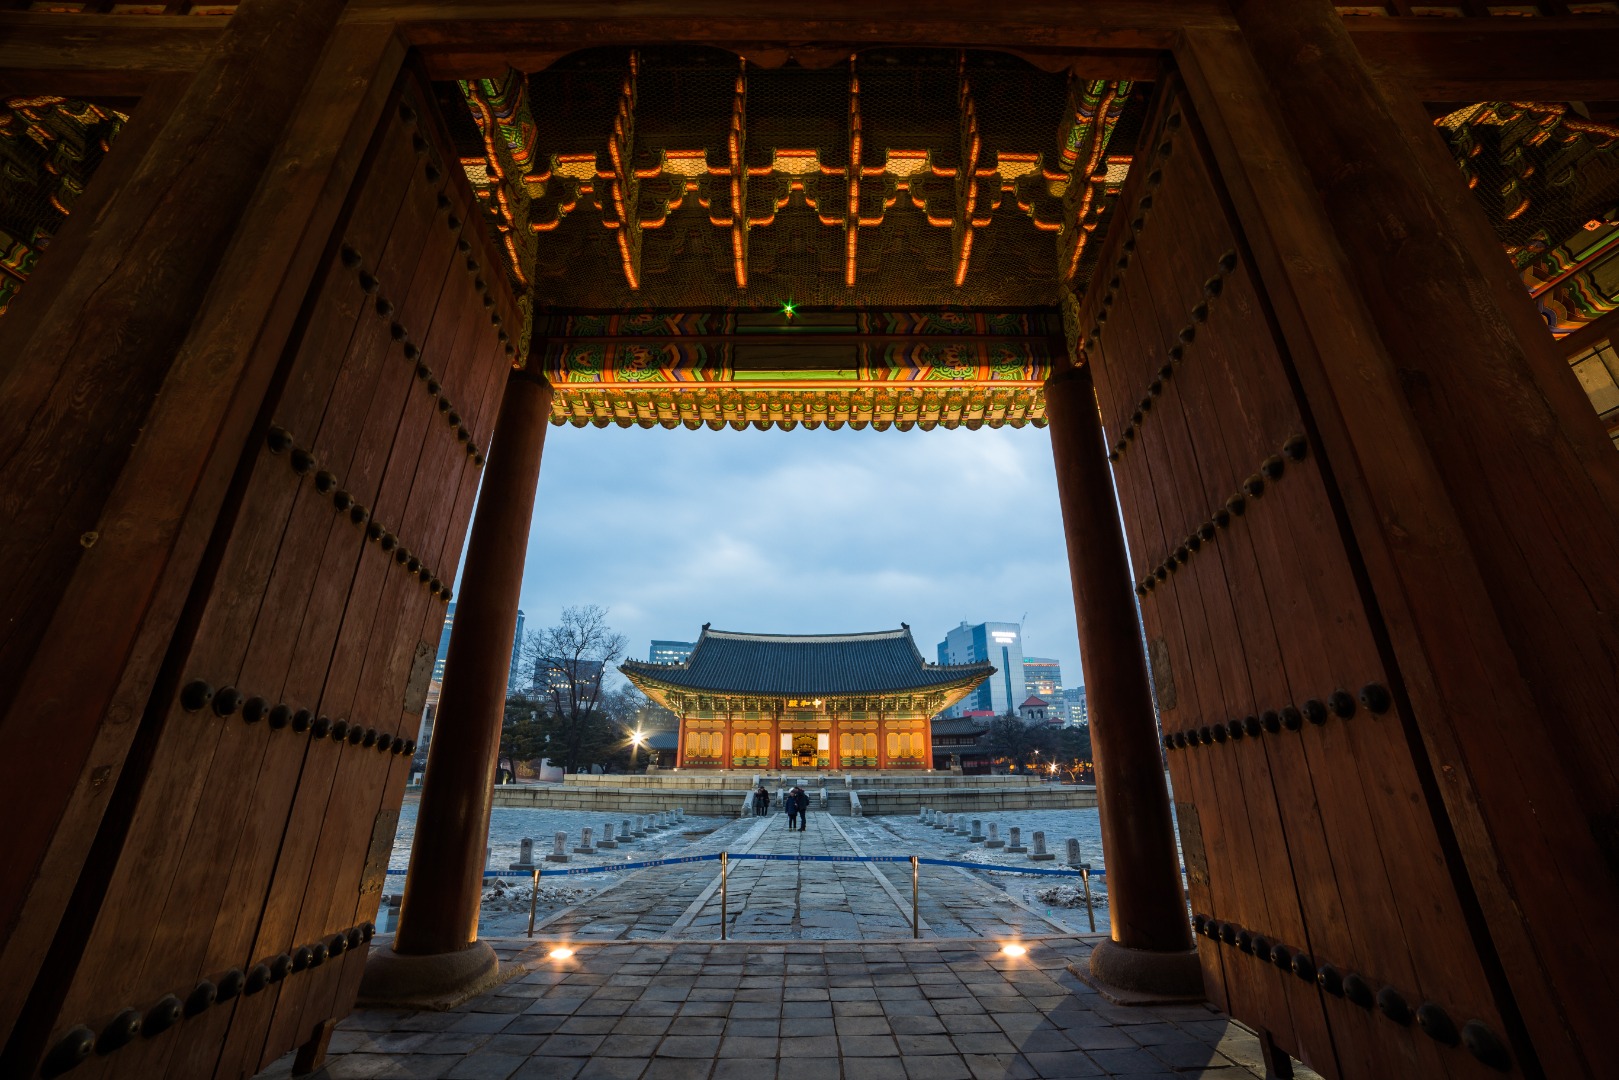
761	802
800	805
789	803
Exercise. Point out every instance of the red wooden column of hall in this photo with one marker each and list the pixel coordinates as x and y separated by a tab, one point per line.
436	954
1151	947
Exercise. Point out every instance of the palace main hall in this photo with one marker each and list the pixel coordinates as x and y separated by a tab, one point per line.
785	701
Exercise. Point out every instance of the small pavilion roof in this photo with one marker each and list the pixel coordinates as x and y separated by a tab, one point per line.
1034	702
806	665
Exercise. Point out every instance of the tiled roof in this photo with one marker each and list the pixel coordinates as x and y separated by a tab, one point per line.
807	665
959	725
1034	702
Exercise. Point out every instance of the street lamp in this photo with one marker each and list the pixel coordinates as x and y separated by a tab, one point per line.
636	741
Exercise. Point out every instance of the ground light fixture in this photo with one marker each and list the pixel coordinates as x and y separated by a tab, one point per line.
561	952
1012	948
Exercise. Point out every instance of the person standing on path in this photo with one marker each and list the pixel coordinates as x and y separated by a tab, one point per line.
761	801
800	801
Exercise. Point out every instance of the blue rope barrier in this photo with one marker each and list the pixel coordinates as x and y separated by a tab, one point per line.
608	868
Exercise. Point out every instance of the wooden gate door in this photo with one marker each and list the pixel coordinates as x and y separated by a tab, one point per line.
247	847
1318	855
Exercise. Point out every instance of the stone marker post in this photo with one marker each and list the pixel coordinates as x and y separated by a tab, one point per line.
525	856
1040	854
558	846
1016	846
977	836
994	840
607	840
1075	856
628	834
584	847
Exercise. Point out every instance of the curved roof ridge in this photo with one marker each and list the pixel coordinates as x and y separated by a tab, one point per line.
790	639
882	661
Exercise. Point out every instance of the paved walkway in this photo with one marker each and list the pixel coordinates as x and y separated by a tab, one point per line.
821	980
813	901
928	1010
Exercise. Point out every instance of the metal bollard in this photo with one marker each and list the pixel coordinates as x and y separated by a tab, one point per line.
1085	879
916	888
724	874
533	899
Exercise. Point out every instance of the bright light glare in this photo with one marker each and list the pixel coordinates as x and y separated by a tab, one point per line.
1013	949
560	953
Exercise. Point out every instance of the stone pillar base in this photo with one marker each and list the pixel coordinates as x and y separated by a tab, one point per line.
1138	977
435	981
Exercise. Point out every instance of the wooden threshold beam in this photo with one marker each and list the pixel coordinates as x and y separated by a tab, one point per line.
1595	332
99	56
1441	60
1497	59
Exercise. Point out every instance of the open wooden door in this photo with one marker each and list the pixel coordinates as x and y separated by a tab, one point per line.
1322	870
225	913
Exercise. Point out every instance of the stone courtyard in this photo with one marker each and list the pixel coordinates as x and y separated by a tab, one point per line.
820	979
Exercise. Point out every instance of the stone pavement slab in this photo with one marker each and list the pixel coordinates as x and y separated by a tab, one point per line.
1003	1017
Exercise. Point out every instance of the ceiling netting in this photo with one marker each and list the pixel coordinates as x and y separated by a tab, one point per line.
685	178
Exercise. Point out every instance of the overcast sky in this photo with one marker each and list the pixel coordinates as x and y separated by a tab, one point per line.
802	532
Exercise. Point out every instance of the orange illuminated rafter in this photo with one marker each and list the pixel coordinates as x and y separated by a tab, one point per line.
736	171
1082	199
972	144
623	181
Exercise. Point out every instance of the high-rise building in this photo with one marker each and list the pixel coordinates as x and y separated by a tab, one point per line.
998	643
1043	676
670	652
1074	706
552	675
444	647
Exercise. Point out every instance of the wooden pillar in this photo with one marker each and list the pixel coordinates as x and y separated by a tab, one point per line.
680	740
445	884
1479	485
1147	905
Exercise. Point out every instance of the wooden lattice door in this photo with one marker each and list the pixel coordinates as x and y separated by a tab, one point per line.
1322	875
244	856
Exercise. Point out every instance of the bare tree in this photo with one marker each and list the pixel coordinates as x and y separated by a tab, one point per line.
568	662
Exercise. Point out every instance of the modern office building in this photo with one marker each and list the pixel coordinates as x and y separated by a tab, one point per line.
1075	710
998	643
552	675
670	652
1042	675
444	647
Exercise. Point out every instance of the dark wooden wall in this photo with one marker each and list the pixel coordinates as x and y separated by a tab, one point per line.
253	822
1307	823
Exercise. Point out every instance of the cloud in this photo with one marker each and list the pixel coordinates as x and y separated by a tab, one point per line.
802	532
